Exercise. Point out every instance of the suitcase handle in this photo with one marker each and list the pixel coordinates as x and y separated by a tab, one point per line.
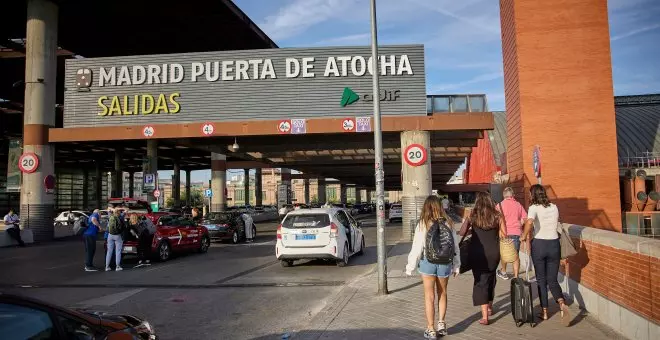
529	258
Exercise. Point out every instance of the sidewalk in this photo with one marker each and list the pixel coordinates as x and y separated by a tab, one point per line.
358	313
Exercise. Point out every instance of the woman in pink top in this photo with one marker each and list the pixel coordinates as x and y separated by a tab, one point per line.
513	213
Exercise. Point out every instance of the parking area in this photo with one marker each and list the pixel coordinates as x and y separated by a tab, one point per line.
242	289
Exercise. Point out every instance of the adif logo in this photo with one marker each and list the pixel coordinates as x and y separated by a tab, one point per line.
84	79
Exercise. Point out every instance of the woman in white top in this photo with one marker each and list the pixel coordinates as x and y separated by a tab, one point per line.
545	249
434	276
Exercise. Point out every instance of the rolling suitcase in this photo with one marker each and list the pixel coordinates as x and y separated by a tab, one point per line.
522	299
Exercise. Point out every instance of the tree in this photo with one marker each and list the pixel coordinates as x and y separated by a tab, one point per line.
196	199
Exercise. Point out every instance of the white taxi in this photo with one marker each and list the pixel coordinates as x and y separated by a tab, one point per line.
396	213
322	233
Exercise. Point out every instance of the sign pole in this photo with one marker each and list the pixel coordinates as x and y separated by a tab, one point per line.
378	150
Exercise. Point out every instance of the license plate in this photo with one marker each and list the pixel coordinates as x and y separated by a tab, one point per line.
305	237
128	250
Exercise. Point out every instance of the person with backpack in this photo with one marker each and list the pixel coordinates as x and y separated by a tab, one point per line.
90	235
487	227
115	241
435	254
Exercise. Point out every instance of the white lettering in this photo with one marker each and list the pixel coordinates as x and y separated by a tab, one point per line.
344	65
124	77
255	67
331	67
358	66
404	66
176	73
385	64
163	75
292	68
139	75
226	68
307	67
197	70
212	71
268	70
107	76
153	73
241	70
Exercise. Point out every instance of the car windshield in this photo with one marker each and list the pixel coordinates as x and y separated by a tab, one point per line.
218	217
306	221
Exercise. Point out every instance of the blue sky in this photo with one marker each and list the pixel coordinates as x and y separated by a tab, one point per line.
461	38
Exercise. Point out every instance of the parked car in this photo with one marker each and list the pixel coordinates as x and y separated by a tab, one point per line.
28	318
325	233
396	213
174	234
226	226
69	217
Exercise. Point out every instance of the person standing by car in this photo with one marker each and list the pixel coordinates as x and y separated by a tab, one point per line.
115	241
12	227
139	229
545	249
196	216
89	237
434	276
487	227
514	213
249	226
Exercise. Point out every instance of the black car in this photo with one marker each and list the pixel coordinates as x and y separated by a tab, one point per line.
27	318
226	225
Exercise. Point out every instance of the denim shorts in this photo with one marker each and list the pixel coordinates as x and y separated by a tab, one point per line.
440	270
516	241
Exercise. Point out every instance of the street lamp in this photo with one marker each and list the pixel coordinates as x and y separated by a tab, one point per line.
378	150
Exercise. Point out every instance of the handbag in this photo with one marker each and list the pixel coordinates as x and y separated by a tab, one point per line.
508	253
463	246
565	242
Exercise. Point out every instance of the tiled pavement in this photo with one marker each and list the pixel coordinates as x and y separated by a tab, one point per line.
358	313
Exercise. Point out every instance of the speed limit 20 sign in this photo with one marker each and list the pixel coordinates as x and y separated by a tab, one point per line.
415	155
28	162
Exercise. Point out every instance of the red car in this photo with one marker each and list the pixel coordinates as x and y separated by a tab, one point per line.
174	234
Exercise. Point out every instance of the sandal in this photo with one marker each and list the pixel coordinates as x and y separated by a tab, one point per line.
565	315
483	322
490	312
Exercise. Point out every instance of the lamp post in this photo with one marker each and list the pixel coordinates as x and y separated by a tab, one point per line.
378	150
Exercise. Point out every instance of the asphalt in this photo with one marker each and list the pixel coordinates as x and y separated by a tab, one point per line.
231	292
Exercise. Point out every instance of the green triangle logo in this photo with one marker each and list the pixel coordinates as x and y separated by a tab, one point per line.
348	97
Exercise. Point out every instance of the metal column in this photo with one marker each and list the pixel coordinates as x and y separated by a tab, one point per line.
151	166
306	184
218	181
118	176
246	186
258	187
176	184
188	200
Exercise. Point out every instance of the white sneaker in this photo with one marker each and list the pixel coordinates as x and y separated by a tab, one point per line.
430	334
107	269
442	328
90	269
118	269
502	275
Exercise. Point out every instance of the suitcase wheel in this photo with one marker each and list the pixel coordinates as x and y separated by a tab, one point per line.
518	324
533	324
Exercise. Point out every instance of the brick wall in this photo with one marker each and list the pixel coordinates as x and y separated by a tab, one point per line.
558	87
481	166
623	269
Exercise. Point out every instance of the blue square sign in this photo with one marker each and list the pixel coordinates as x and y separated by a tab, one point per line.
208	193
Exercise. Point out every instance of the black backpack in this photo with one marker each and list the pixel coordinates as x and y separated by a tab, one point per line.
439	246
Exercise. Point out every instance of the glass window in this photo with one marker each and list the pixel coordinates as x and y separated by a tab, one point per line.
306	221
459	104
76	330
440	104
19	323
477	104
429	105
341	217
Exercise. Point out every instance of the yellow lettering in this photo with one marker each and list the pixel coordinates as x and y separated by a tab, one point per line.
125	107
144	104
177	107
115	107
161	105
103	106
136	104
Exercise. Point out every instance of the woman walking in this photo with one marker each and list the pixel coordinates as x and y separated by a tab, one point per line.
487	227
545	249
434	276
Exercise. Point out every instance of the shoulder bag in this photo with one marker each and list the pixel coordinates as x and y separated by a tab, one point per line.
508	253
566	243
463	246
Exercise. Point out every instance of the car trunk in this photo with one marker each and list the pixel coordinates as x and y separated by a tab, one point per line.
307	230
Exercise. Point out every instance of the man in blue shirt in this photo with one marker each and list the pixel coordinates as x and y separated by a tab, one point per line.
89	237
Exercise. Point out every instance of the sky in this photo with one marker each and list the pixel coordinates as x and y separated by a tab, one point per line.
461	38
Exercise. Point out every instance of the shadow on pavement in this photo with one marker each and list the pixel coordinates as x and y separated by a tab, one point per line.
374	333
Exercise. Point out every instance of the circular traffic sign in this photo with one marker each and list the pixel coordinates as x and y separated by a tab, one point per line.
148	131
49	182
28	162
156	193
284	126
208	129
415	155
348	124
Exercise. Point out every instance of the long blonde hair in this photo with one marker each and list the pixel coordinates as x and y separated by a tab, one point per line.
133	219
432	211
